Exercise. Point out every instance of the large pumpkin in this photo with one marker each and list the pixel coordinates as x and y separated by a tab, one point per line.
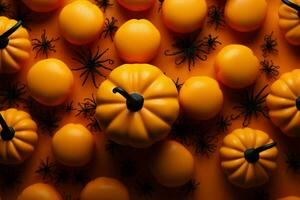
18	136
248	157
137	105
284	103
15	45
289	20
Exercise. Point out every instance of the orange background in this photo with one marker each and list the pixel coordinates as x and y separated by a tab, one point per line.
213	184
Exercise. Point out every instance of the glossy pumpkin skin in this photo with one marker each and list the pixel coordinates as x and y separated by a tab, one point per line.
43	5
73	145
284	103
149	124
236	66
239	171
172	164
81	22
245	15
17	52
184	16
136	5
289	23
105	189
131	35
50	81
22	145
39	191
290	198
201	98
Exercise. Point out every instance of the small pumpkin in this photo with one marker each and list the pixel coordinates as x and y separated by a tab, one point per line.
245	15
104	188
131	35
81	22
18	136
248	157
137	105
136	5
172	164
184	16
289	198
237	66
73	145
289	20
50	81
15	45
43	5
284	103
201	98
39	191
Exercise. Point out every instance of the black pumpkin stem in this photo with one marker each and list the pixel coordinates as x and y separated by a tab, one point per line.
292	5
252	155
4	37
7	133
134	101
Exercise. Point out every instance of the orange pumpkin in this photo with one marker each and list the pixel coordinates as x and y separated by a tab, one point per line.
43	5
290	198
284	103
289	18
136	5
15	45
39	191
18	136
137	105
248	157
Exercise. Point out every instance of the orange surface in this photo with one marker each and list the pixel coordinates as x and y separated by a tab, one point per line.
213	184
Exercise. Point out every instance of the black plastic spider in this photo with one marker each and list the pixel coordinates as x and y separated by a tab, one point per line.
110	28
12	94
94	125
103	4
113	148
4	8
222	123
269	45
190	187
181	131
62	175
44	45
205	143
293	161
127	168
145	188
251	105
10	177
80	176
160	4
87	108
68	107
178	84
90	64
189	48
46	169
216	16
211	43
269	69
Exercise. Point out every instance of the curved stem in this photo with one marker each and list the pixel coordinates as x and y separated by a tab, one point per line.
252	155
265	147
124	93
4	37
7	133
292	5
3	123
134	101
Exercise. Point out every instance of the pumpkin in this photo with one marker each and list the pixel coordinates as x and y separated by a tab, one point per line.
18	136
171	164
136	5
290	198
39	191
43	5
240	15
284	103
289	18
137	105
248	157
104	188
81	22
236	66
184	16
15	45
73	145
50	81
201	98
131	35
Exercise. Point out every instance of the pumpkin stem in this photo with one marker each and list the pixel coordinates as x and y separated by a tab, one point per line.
134	101
4	37
7	133
298	103
292	5
252	155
